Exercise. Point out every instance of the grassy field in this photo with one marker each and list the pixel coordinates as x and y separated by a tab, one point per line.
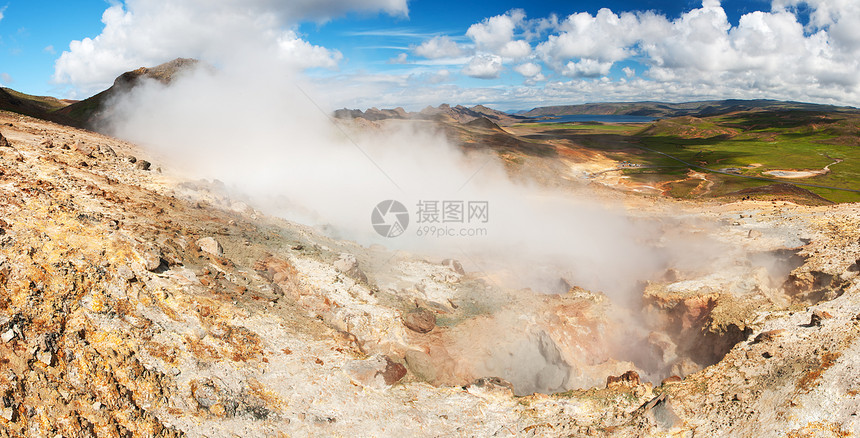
747	144
42	102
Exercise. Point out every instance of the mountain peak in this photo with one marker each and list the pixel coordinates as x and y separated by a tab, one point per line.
163	73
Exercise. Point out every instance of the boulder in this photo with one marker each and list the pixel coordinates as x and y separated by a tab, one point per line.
152	260
818	317
348	265
3	142
630	378
143	165
421	365
661	412
345	263
768	336
393	372
107	150
211	246
125	273
420	320
83	148
670	380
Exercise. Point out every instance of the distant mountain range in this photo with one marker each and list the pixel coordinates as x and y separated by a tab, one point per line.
666	110
444	112
85	113
661	110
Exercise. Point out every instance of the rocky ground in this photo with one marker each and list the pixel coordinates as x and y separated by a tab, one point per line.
133	303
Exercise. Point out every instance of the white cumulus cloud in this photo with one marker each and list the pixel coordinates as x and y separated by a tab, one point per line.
841	19
528	69
531	71
515	49
303	54
496	35
767	52
589	68
147	32
774	53
605	37
484	66
439	47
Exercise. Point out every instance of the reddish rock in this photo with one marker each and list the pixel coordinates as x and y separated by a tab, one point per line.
769	335
630	378
818	317
393	372
669	380
378	371
420	320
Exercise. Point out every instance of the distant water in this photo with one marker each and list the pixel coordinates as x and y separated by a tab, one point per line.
595	118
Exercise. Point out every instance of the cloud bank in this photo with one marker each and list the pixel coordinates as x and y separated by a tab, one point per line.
797	50
642	55
145	33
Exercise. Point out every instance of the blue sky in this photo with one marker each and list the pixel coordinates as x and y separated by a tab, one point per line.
508	54
33	33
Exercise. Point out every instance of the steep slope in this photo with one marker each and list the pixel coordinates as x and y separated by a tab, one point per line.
85	112
42	107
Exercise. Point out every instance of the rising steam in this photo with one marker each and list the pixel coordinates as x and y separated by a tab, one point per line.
260	129
262	133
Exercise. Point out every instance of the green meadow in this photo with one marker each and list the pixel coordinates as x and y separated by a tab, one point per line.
746	144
